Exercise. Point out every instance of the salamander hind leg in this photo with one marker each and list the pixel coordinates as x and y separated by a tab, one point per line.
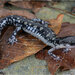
55	57
13	39
59	46
66	47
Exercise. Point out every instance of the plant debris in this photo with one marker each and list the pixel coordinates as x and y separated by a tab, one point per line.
26	46
56	23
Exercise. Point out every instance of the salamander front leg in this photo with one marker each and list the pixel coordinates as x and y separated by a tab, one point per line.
13	39
45	23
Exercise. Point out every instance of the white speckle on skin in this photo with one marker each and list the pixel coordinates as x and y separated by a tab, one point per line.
52	32
31	21
44	32
25	23
2	24
53	38
18	18
18	28
19	21
4	21
42	22
28	28
13	19
30	24
31	28
41	28
14	33
38	34
35	26
48	35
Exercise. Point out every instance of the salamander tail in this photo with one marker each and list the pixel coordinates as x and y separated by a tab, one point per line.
68	39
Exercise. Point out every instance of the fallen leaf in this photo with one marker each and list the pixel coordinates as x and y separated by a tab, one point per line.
56	23
67	29
26	46
22	4
32	4
68	60
37	5
5	12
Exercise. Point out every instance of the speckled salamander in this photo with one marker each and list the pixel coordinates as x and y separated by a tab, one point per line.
39	29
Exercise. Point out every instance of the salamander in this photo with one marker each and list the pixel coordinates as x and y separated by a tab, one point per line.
39	29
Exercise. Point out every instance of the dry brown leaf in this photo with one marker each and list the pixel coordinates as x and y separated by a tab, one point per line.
26	46
56	23
22	4
37	5
67	29
68	61
5	12
33	5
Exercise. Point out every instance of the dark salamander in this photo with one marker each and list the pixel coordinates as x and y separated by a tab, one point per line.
39	29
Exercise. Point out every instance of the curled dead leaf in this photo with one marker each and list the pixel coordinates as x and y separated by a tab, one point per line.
56	23
26	46
67	29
